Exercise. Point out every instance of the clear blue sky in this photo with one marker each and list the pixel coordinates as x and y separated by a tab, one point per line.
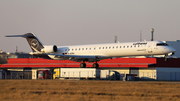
75	22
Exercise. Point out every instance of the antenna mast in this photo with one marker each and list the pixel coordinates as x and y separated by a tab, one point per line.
115	39
141	35
152	31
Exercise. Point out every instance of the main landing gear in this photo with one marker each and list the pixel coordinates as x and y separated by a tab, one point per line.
166	56
96	65
83	65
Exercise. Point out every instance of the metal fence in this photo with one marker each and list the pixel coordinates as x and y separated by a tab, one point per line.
122	76
20	75
150	76
16	75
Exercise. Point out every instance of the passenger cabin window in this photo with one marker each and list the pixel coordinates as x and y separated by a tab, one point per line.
116	46
99	47
82	48
124	47
162	44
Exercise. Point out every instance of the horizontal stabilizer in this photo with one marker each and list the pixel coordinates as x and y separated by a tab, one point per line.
24	36
15	36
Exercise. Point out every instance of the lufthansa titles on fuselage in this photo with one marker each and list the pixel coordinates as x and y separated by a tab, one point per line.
139	43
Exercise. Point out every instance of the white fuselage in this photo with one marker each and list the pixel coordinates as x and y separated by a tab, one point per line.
117	49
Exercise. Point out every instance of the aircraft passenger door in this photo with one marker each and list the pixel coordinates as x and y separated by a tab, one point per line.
155	48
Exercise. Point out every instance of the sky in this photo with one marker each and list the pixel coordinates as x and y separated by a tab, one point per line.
79	22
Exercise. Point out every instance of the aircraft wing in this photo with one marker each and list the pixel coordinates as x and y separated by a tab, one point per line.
90	58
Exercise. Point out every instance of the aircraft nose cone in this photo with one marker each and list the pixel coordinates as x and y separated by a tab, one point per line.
172	49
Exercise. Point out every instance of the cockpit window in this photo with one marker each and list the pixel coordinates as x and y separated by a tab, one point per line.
162	44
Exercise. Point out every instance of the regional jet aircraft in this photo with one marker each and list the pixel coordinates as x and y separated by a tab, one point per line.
95	52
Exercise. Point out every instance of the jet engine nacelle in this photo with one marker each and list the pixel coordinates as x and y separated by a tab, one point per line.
49	49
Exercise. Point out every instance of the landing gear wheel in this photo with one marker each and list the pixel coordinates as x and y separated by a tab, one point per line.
95	65
83	65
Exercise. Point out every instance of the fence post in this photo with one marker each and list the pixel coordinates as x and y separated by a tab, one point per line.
45	76
5	75
23	75
51	74
11	75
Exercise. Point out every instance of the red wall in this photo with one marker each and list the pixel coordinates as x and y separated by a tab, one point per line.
40	62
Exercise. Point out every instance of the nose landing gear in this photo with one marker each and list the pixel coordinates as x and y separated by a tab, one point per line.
166	57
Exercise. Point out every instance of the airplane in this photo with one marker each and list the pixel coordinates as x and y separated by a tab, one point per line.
95	52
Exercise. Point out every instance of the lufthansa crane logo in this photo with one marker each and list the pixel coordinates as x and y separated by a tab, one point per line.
34	43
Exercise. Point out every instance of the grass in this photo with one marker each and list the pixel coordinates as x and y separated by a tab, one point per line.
82	90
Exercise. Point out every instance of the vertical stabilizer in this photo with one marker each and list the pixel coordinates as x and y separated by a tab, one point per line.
33	41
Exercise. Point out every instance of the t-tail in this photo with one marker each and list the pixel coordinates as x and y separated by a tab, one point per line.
35	44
